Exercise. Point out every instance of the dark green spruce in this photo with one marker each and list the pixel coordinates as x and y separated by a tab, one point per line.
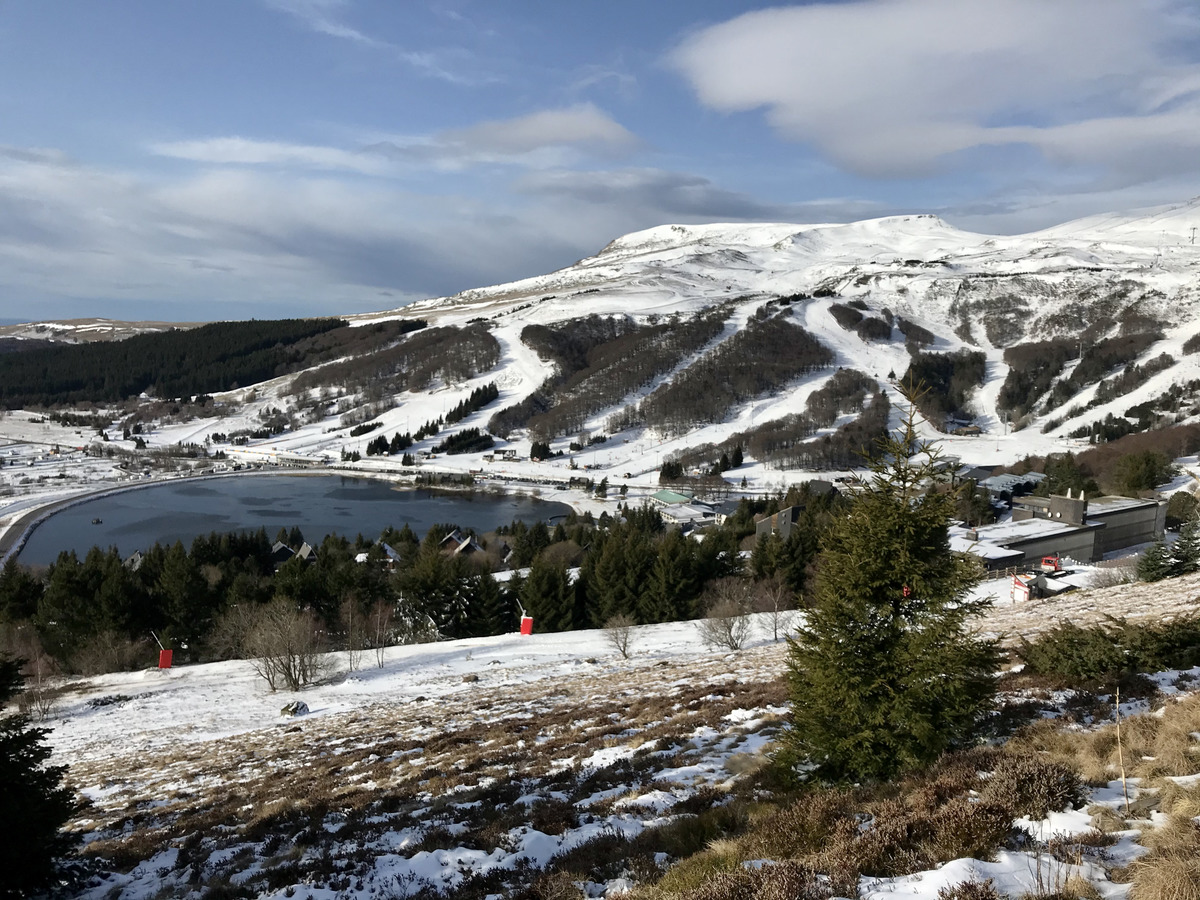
885	674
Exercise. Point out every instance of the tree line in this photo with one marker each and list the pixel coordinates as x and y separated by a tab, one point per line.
762	357
99	612
621	366
450	353
943	383
180	362
1097	360
785	442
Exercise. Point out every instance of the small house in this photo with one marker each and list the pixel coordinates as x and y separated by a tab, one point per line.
280	553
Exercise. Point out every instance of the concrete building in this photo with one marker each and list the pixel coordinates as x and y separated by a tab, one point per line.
1070	525
668	497
689	514
1070	509
1127	521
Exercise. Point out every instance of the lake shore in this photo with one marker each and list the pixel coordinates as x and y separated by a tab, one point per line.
18	532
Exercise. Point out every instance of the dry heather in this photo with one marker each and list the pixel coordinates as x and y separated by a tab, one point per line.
1156	600
531	790
588	762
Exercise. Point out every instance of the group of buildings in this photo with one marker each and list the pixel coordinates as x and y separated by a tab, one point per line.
1070	525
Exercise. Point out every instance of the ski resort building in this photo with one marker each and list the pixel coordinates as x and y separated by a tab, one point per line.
1065	525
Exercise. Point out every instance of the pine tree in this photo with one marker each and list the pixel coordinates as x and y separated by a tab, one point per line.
33	803
884	675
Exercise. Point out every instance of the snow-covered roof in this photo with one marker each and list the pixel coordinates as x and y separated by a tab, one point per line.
1008	481
1107	504
983	549
1006	532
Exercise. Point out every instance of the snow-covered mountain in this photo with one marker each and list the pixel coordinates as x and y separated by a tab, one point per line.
1121	289
1077	325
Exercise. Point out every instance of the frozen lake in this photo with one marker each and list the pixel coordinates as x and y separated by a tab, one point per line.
318	504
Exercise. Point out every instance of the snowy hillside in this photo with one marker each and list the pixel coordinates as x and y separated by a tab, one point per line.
1080	327
474	767
1090	284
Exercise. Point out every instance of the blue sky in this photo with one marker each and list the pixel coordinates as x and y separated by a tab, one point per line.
237	158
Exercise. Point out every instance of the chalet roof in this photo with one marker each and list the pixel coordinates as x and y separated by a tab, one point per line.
1007	482
683	512
668	497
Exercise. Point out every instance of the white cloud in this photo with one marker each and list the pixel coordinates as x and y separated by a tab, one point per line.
544	138
583	124
248	241
660	196
894	87
241	151
321	16
324	17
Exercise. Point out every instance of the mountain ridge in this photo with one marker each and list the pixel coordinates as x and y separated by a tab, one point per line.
1093	317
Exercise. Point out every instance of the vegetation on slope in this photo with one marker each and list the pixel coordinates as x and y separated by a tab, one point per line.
598	363
1098	360
1032	369
764	356
203	360
449	353
944	382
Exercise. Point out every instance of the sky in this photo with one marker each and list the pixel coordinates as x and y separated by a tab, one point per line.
226	159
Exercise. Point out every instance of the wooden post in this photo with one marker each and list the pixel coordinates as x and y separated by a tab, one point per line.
1121	752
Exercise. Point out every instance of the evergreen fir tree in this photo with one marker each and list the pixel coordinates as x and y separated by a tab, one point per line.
884	675
20	592
764	558
548	596
1157	563
1186	550
33	803
496	611
671	587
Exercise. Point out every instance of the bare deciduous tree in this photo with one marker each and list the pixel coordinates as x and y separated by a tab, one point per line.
355	626
726	622
774	597
40	695
284	644
618	632
381	628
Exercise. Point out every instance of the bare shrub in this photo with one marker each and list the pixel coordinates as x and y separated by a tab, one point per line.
726	622
970	890
618	633
1112	575
284	644
22	642
110	651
